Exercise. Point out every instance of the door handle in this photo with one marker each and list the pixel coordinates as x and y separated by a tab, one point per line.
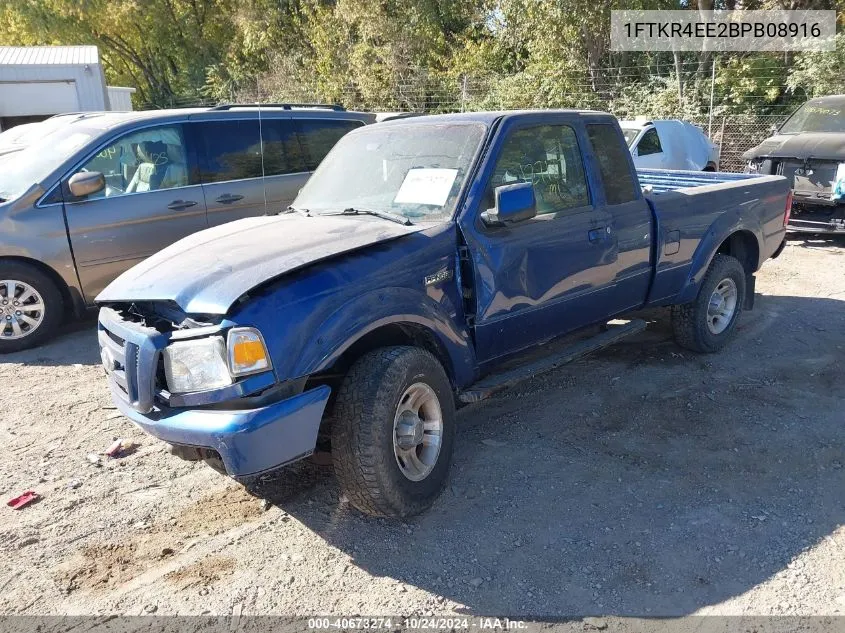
178	205
228	198
599	234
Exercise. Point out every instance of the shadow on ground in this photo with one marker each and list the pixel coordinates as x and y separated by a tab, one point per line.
645	480
75	344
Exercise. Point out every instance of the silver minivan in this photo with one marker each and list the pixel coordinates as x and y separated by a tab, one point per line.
98	195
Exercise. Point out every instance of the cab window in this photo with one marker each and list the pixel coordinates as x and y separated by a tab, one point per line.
613	158
151	159
547	156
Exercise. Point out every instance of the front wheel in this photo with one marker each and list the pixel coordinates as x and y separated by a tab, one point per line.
392	432
30	307
708	323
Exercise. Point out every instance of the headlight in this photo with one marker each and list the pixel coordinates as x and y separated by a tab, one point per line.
196	365
247	352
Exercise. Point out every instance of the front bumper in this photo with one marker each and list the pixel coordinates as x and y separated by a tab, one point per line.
249	441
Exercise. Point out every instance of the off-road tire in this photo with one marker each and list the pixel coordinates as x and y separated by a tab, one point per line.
53	305
689	321
362	432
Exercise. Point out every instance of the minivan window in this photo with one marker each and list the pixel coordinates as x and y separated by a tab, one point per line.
282	150
33	164
319	136
152	159
231	149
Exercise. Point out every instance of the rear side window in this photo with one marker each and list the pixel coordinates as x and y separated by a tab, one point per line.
612	155
319	136
649	143
231	150
282	150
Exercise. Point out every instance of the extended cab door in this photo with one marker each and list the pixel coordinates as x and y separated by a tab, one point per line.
230	168
149	202
551	274
631	217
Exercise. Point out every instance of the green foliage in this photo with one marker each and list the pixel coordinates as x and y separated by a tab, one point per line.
818	74
424	55
161	47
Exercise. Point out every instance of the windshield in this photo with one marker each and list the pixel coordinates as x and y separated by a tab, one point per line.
816	117
415	170
34	163
17	135
630	134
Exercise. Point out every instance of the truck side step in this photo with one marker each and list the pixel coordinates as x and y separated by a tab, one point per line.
494	383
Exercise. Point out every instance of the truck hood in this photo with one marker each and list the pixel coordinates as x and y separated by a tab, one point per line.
206	272
823	145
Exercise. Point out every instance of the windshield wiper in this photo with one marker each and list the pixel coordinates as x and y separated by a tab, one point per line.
386	215
292	209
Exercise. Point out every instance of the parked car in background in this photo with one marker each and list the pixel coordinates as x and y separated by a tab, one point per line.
102	192
809	149
670	144
428	260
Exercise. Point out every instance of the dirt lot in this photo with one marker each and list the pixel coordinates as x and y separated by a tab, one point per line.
644	480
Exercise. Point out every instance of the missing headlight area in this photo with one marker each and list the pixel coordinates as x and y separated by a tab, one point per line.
164	316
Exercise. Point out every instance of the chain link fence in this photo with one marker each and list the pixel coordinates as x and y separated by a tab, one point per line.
735	127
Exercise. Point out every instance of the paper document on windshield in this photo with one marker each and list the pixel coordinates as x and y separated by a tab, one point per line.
426	186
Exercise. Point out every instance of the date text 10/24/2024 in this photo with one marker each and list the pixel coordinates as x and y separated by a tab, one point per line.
417	623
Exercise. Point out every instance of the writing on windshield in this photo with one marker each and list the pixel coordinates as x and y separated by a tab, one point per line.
813	117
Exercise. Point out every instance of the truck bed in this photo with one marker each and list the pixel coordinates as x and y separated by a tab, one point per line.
663	180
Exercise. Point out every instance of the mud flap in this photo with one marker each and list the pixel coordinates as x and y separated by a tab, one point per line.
750	281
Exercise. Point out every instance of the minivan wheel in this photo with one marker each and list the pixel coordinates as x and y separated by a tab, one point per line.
392	432
30	307
707	324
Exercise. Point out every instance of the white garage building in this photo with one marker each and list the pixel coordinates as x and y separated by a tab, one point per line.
37	82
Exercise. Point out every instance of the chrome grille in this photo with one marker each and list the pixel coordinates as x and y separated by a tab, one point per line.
130	354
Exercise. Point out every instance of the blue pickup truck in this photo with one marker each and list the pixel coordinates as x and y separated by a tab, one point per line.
421	267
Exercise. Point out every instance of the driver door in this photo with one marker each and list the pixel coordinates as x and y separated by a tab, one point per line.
151	200
551	274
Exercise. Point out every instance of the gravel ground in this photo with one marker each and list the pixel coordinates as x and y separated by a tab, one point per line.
644	480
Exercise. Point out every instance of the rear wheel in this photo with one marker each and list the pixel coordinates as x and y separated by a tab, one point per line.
30	307
708	323
392	432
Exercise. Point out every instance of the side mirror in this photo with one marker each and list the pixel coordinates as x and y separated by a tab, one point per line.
84	183
514	203
774	130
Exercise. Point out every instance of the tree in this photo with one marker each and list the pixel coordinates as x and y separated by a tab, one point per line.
161	47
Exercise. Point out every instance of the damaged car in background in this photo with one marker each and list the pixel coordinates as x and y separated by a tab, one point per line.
809	149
